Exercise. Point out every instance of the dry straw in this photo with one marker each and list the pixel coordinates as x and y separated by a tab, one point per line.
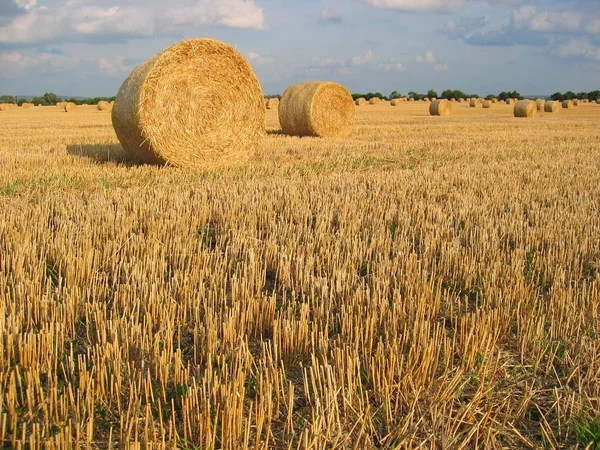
540	103
69	106
360	101
568	104
525	108
551	106
273	103
103	105
440	108
487	104
196	104
316	108
374	101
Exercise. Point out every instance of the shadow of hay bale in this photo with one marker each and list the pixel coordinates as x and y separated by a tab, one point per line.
276	132
102	153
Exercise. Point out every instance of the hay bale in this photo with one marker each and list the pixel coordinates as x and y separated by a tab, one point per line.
360	101
26	105
273	103
196	104
540	103
473	103
487	104
103	105
61	105
316	108
525	108
4	106
598	102
395	102
440	108
576	102
551	107
374	101
69	106
494	100
568	104
426	100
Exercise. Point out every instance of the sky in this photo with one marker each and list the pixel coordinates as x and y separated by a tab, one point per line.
88	47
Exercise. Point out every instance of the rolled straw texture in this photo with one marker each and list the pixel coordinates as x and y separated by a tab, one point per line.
196	104
316	108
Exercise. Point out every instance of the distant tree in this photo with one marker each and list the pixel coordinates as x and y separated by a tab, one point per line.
432	94
395	95
7	99
21	101
582	95
51	98
557	96
593	96
490	97
413	94
570	95
39	101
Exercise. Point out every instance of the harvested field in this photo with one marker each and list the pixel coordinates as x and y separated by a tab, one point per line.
423	283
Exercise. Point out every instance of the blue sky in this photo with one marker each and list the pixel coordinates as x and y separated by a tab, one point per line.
88	47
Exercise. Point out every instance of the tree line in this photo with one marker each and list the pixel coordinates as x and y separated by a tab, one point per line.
458	94
51	99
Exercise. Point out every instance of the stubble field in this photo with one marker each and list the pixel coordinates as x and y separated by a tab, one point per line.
426	283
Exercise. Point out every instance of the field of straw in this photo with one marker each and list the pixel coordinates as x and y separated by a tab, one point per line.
427	282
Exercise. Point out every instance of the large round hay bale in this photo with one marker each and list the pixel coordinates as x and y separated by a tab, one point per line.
525	108
568	104
196	104
487	104
540	103
273	103
316	108
69	106
440	108
374	101
103	105
473	103
551	106
395	102
360	101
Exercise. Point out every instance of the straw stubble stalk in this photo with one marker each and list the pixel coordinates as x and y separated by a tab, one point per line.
540	103
316	108
196	104
440	108
525	108
551	106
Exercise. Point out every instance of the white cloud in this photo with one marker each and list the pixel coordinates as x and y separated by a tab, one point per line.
77	18
328	16
427	58
364	58
15	63
392	65
257	59
114	66
435	6
578	48
441	67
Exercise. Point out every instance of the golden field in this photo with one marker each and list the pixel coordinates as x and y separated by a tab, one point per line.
425	283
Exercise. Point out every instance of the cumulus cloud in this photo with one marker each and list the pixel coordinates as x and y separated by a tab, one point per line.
578	49
15	63
113	66
340	65
392	65
441	67
78	20
423	6
427	58
328	16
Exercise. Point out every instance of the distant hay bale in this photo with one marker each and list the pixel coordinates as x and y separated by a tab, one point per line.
69	106
61	105
453	100
525	108
494	100
273	103
440	108
473	103
487	104
196	104
426	99
568	104
26	105
103	105
4	106
576	102
551	107
360	101
598	102
540	103
316	108
411	99
374	101
395	102
433	99
511	101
